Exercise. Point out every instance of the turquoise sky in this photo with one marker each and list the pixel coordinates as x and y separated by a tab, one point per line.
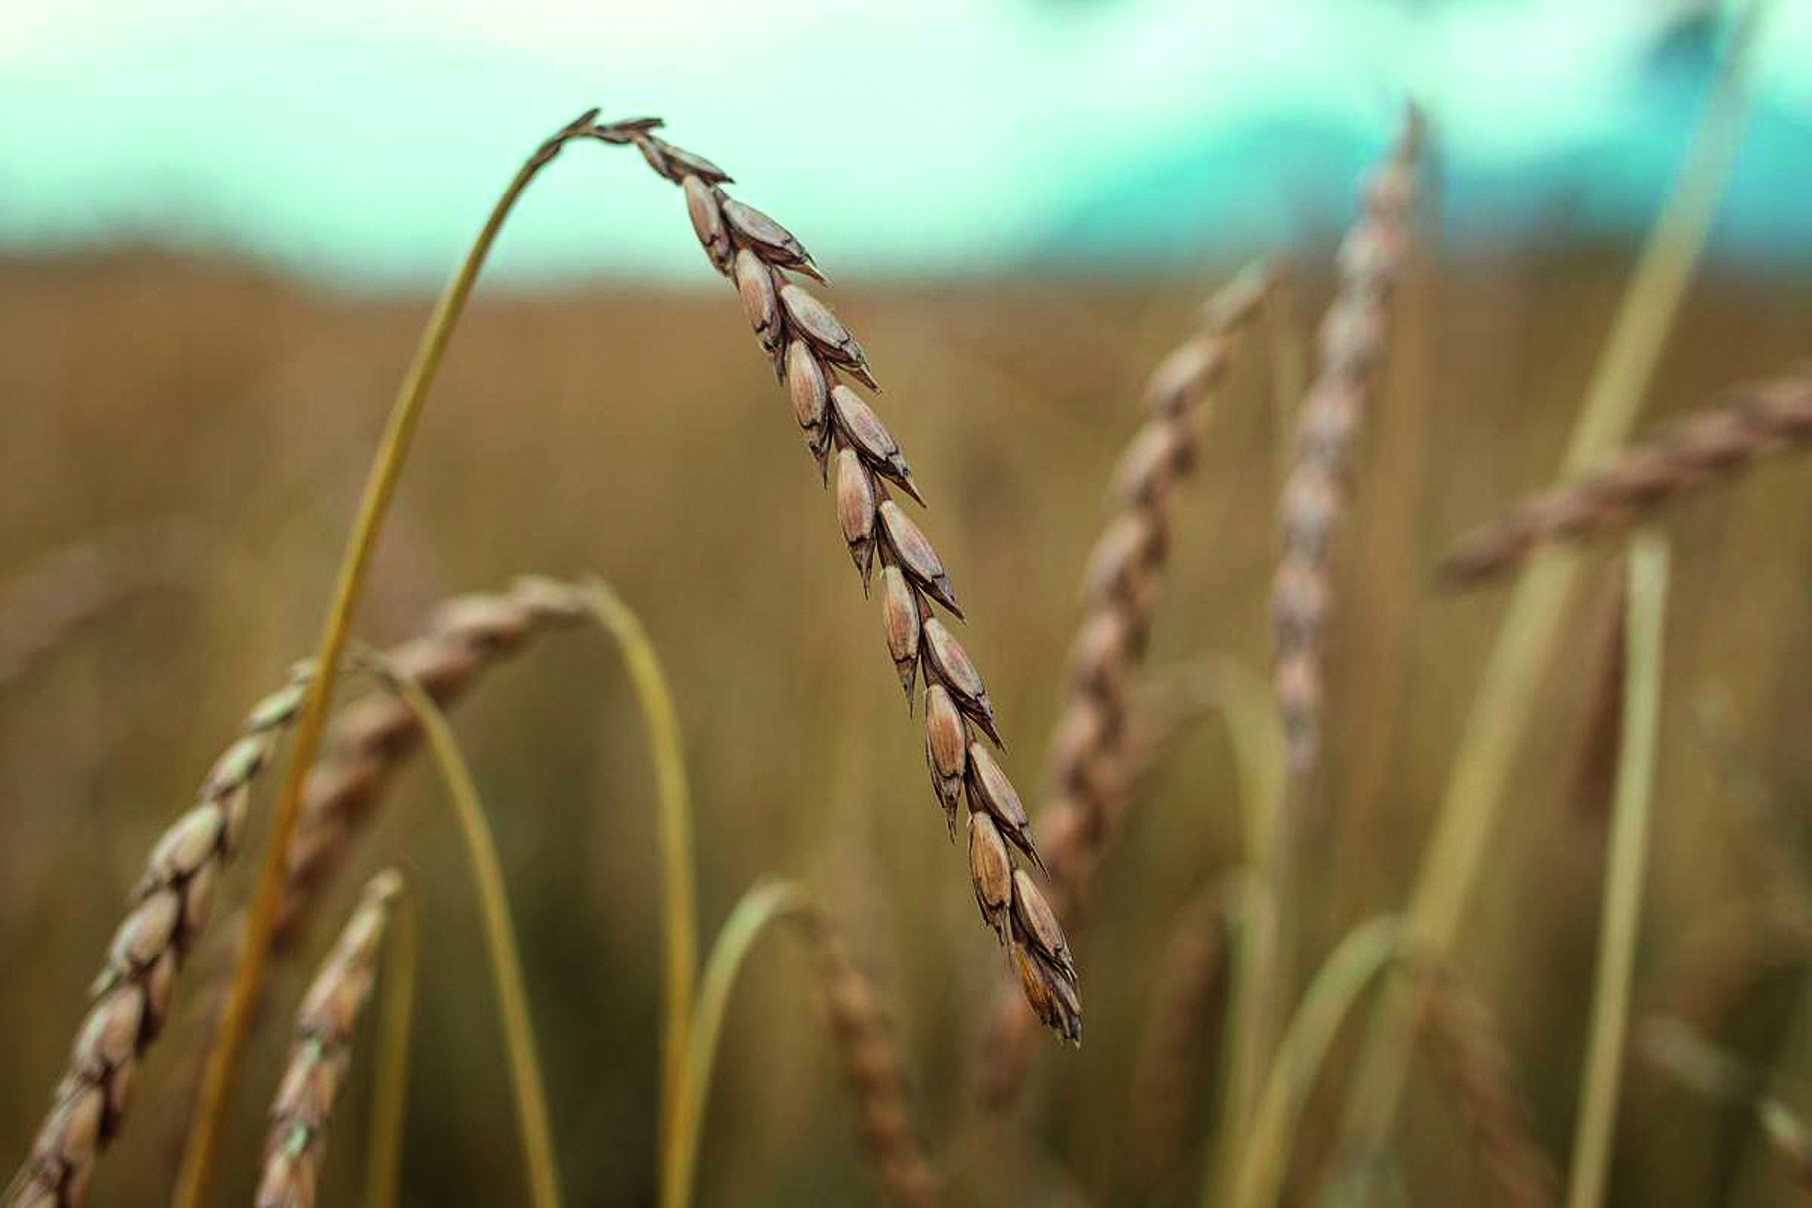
367	140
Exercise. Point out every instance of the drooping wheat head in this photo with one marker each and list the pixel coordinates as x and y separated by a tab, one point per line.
1712	446
812	352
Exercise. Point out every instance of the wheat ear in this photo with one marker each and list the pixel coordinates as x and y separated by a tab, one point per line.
173	901
323	1049
869	1054
168	910
66	587
1353	338
1187	1001
1458	1027
1087	766
1712	446
812	351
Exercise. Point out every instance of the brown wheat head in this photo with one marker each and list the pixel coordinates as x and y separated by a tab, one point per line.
322	1051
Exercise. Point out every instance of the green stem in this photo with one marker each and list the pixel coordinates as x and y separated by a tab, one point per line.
202	1150
1245	704
390	1095
1365	952
675	824
764	904
500	944
1632	809
1501	709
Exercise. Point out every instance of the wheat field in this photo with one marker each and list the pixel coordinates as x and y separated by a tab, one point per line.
1220	886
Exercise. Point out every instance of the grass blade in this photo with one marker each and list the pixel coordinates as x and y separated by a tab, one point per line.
500	944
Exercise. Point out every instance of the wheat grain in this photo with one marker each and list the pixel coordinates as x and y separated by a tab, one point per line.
812	351
1458	1027
172	904
322	1051
1352	343
1711	446
1087	766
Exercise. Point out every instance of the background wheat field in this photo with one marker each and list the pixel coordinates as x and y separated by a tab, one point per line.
182	448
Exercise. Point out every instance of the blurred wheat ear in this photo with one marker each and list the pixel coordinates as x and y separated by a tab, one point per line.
859	1027
1713	446
1086	766
1353	338
323	1050
1474	1062
168	910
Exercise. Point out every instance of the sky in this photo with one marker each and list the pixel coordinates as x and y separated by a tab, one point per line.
366	140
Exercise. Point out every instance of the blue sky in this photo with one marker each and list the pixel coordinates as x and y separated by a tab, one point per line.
361	140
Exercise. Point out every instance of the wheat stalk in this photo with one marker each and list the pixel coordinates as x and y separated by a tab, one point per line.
1625	864
1712	446
1091	746
322	1051
812	351
173	901
1353	338
1470	1055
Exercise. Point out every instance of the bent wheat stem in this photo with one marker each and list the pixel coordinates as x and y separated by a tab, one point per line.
500	940
1632	807
1365	953
393	448
761	906
859	1028
675	810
